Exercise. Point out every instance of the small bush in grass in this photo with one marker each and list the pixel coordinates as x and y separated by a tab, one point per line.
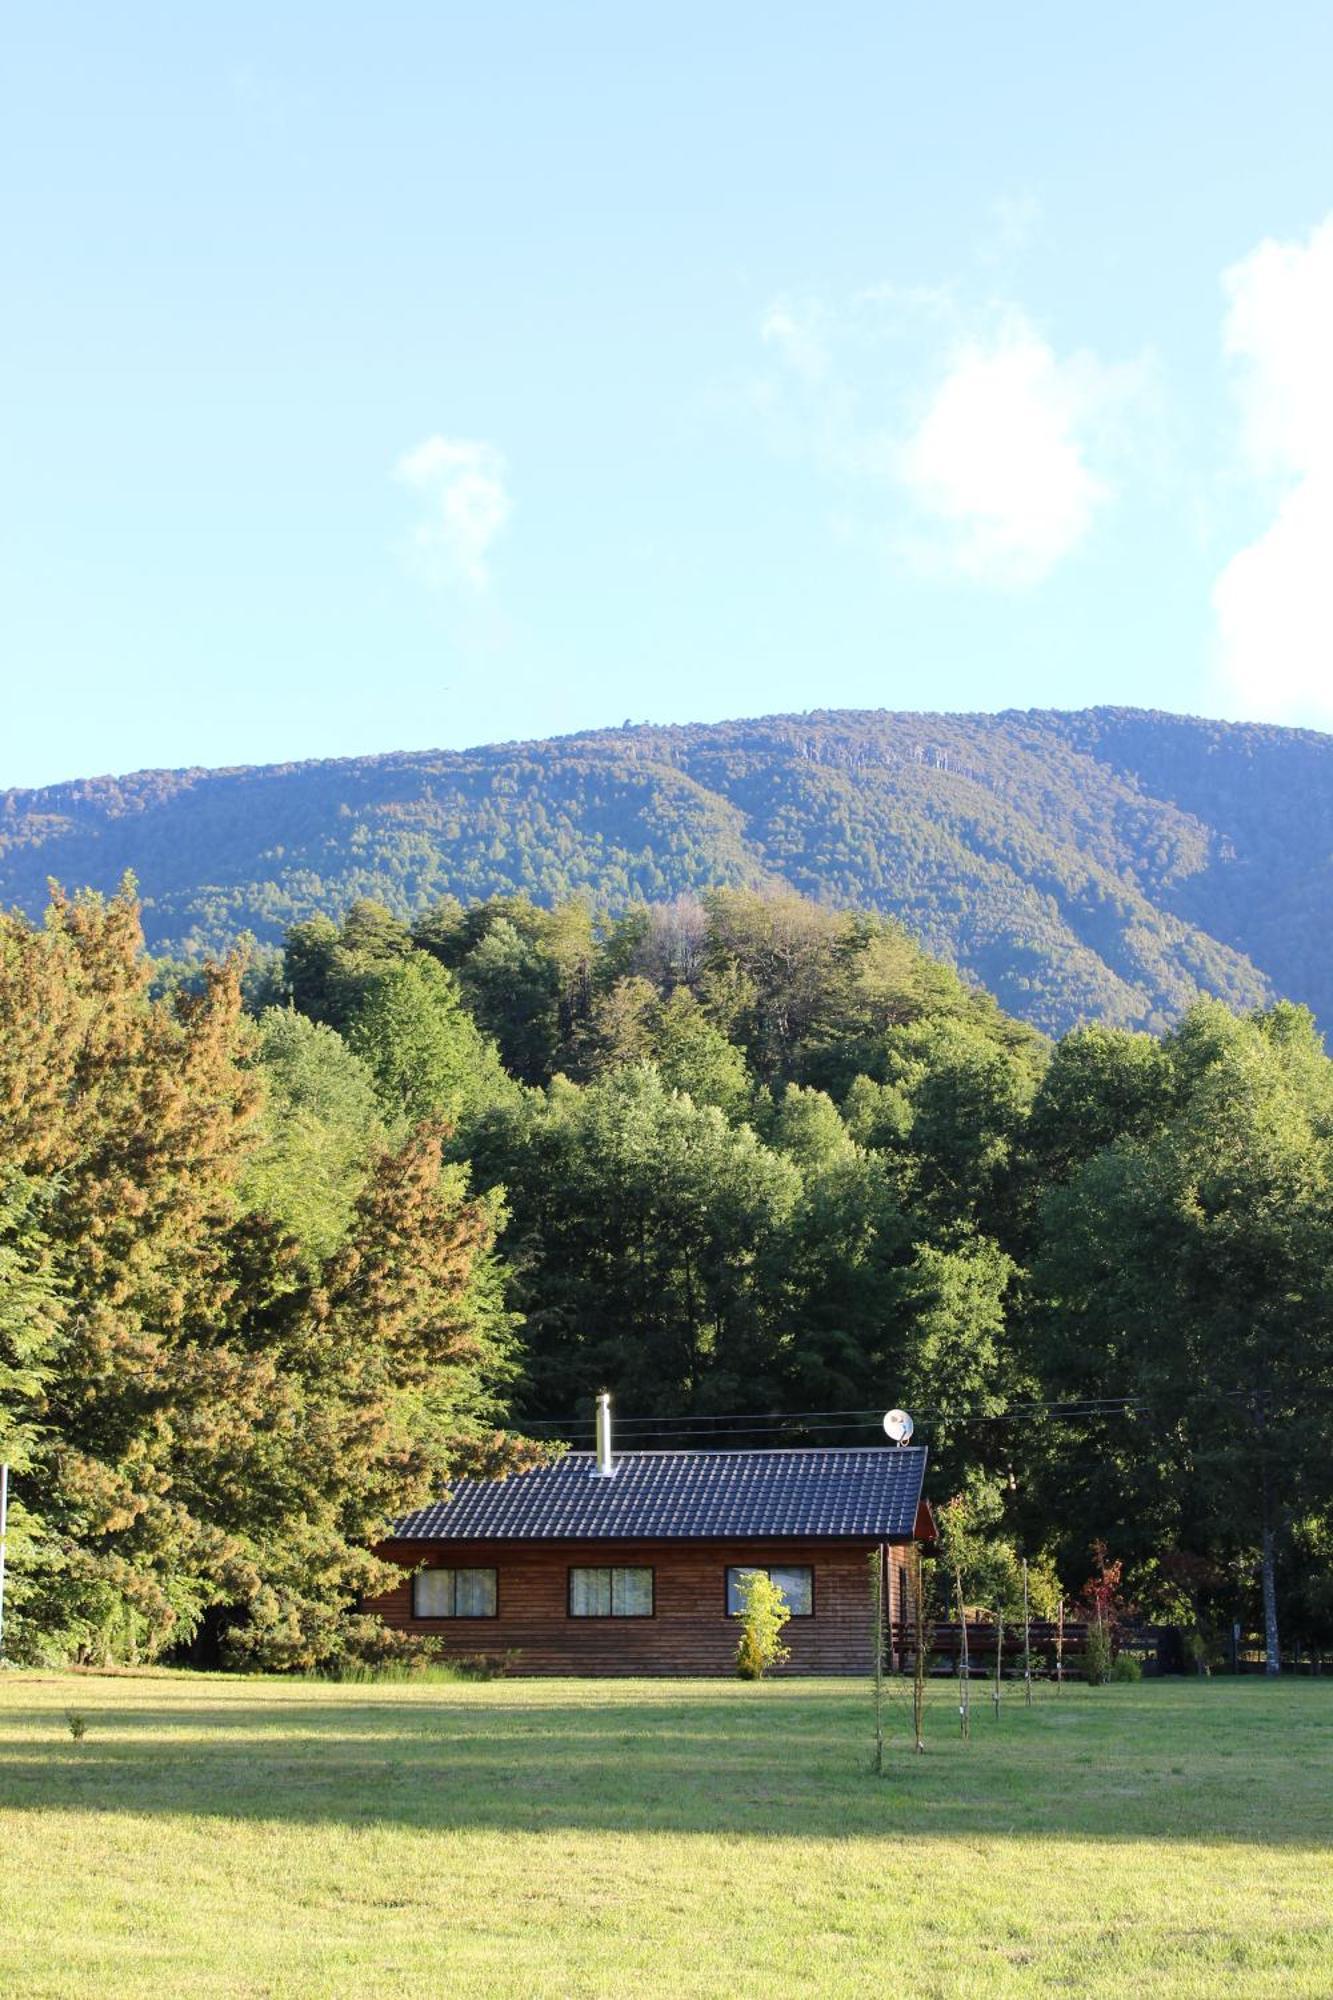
371	1651
764	1612
1097	1656
486	1666
417	1659
1204	1654
1107	1613
1125	1667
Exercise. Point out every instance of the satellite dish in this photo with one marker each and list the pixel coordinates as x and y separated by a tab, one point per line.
899	1426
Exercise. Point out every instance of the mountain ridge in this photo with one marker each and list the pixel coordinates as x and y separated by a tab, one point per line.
1100	863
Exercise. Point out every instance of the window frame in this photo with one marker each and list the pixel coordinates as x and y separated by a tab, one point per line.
612	1616
732	1569
455	1570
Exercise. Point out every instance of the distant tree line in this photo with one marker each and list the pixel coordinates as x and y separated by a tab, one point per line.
283	1249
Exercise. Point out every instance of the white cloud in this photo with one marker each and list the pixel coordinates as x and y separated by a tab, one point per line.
462	483
994	463
1274	606
1274	599
1000	460
796	337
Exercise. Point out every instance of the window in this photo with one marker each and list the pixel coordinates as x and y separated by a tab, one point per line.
454	1593
796	1583
610	1593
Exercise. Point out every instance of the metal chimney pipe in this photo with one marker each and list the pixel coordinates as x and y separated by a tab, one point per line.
605	1465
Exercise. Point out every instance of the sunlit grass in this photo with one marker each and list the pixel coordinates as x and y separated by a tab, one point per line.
261	1837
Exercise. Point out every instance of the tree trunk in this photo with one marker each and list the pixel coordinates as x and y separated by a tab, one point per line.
1268	1555
1272	1653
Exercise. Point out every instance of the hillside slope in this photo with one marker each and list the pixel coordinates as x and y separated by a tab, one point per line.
1109	863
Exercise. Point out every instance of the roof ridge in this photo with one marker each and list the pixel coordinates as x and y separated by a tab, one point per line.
750	1451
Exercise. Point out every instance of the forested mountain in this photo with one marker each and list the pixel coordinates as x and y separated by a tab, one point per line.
1110	864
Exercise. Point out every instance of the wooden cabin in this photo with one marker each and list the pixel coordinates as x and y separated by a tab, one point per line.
631	1564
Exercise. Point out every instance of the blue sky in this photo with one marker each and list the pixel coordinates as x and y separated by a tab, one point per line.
427	376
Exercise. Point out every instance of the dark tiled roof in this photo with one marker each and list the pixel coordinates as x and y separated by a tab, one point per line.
686	1494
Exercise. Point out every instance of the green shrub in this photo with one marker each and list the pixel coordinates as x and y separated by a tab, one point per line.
1124	1667
1204	1653
406	1657
764	1612
370	1651
485	1666
1097	1656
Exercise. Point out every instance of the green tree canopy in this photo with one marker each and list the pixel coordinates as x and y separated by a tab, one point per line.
1191	1270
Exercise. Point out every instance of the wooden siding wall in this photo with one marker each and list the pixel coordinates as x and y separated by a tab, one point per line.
689	1632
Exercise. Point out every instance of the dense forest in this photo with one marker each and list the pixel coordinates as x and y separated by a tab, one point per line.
283	1247
1108	866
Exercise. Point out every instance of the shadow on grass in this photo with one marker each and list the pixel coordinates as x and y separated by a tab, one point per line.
1166	1764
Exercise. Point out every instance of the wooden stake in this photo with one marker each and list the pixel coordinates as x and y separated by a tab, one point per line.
919	1663
877	1652
964	1665
1027	1641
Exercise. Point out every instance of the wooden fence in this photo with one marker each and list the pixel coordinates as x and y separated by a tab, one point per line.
1157	1648
944	1646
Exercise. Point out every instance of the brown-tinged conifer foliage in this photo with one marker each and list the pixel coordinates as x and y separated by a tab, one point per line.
217	1423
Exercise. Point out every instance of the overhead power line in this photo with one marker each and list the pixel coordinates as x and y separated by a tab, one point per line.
770	1423
720	1430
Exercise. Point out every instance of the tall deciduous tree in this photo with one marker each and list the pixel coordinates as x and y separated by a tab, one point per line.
423	1049
1192	1270
399	1008
321	1126
645	1236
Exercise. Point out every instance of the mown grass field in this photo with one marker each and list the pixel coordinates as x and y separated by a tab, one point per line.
219	1836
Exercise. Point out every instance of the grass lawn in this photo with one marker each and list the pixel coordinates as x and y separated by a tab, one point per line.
216	1835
